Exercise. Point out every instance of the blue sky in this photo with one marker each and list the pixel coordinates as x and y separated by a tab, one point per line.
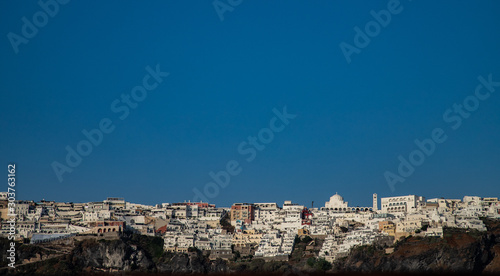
226	77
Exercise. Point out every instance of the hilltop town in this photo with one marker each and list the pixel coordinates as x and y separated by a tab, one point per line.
260	230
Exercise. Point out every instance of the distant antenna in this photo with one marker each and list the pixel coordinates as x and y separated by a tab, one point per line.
312	204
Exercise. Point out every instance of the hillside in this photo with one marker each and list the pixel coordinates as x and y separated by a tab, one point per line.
459	251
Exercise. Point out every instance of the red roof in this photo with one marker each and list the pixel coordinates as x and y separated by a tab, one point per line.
162	229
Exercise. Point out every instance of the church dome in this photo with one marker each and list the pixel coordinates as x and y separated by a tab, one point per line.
337	197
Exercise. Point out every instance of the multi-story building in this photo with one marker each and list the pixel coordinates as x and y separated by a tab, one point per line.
115	202
97	215
243	212
247	237
266	212
23	207
402	204
411	223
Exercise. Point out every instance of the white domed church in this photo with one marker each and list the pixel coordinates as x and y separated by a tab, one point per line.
336	203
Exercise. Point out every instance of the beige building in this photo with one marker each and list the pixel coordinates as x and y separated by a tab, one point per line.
411	223
303	232
387	227
4	209
247	237
243	212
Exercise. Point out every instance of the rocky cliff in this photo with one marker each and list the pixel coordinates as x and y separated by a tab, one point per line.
111	255
459	250
130	254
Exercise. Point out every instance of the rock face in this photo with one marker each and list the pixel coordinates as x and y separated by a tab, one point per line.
419	255
192	263
111	255
182	264
122	256
129	254
459	251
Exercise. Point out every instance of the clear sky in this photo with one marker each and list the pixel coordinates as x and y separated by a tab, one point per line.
226	77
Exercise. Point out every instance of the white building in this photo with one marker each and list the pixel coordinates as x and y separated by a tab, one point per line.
375	202
336	203
265	212
402	204
223	241
273	244
97	215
